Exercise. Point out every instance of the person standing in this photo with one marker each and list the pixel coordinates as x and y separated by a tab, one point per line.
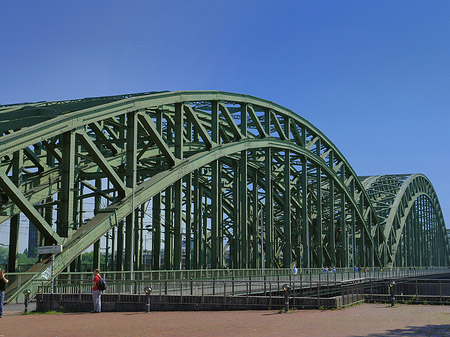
96	293
3	282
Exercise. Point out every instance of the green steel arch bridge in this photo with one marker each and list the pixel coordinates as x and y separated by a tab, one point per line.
216	179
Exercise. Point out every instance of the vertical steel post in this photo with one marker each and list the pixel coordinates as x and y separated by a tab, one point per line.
97	206
120	248
304	216
215	189
287	253
131	164
256	222
268	210
269	235
17	170
236	243
205	232
66	200
197	221
188	217
156	235
243	197
168	219
178	186
188	198
353	224
344	244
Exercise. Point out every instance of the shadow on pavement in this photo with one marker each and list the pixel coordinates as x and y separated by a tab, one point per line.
427	330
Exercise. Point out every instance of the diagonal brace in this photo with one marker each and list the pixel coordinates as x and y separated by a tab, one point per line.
102	162
99	132
192	116
150	127
28	209
259	127
234	128
276	123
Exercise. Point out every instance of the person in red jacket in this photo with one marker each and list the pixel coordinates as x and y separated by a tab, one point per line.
96	294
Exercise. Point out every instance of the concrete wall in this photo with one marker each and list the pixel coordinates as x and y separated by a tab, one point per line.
116	302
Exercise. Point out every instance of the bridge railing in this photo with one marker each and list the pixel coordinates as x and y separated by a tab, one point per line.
127	282
205	274
120	282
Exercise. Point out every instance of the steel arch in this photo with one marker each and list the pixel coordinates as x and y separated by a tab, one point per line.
409	211
207	163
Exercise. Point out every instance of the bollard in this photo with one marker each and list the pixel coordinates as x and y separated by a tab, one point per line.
286	288
392	291
27	294
148	291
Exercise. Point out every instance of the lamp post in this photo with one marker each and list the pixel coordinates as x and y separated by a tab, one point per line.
286	289
148	291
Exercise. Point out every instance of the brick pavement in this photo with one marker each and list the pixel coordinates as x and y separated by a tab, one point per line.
361	320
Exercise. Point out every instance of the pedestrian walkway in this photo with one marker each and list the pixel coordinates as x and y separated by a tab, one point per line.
361	320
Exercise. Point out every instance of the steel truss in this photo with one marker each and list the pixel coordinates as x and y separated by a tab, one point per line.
219	180
410	213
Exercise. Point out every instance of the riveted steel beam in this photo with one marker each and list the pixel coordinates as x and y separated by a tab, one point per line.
314	208
102	162
28	209
151	128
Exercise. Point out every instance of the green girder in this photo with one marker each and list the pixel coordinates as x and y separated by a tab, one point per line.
236	180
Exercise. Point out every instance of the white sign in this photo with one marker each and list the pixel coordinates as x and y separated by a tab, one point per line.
50	249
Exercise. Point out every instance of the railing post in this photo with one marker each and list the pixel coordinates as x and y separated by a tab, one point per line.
224	292
232	286
293	290
270	294
265	289
246	299
203	292
301	287
318	294
371	292
181	291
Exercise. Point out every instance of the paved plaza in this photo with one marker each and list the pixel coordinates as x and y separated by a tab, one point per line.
361	320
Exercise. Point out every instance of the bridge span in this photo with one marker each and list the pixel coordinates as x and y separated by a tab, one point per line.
210	180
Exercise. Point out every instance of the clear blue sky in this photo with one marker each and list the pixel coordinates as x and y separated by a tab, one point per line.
374	76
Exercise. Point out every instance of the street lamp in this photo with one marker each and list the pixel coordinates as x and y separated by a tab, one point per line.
286	289
148	291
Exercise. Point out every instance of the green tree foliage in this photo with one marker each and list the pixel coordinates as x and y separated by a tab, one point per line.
3	256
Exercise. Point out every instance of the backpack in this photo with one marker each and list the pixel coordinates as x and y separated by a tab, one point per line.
101	284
